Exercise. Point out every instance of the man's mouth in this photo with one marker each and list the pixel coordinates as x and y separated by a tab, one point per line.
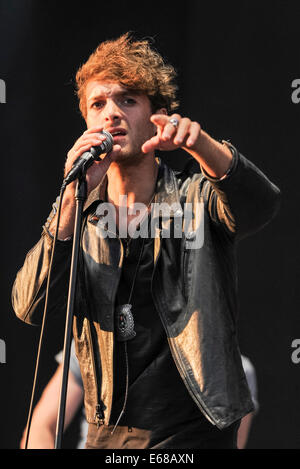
117	134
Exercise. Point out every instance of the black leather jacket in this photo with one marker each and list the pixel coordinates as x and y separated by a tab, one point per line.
194	286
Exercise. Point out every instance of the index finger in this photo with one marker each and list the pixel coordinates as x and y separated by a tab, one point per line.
160	119
93	130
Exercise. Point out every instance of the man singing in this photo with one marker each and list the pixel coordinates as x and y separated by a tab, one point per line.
156	308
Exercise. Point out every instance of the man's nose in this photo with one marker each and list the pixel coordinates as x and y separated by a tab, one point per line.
112	111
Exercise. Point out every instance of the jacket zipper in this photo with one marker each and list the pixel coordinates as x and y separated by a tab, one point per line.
176	359
99	414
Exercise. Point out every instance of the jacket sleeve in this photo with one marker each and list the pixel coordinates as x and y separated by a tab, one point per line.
28	293
244	201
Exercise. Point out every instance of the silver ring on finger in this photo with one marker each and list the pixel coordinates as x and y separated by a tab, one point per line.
174	122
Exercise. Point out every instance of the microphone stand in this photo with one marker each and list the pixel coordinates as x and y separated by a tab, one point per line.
80	197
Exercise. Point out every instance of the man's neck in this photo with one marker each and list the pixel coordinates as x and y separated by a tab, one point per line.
136	181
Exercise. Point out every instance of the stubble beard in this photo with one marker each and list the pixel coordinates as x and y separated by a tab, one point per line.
131	156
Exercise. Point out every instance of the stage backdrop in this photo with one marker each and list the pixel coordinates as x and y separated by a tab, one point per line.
238	68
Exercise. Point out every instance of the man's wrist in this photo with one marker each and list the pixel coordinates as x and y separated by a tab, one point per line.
234	155
50	231
231	168
214	157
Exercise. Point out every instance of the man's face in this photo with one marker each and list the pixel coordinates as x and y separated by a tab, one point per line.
125	114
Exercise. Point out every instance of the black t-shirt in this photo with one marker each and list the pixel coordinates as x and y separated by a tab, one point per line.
160	413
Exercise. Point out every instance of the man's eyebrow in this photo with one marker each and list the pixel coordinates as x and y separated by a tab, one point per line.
116	94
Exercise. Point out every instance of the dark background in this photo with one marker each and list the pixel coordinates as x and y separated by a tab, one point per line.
236	62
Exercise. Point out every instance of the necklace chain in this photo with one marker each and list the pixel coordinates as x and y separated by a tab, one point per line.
123	313
128	239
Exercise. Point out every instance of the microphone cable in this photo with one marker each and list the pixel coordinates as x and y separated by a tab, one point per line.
28	425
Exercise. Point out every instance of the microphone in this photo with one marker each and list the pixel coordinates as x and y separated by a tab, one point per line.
88	157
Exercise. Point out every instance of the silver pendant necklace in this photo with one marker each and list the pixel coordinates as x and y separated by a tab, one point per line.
124	323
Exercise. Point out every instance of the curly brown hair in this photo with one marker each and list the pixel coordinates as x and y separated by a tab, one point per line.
133	64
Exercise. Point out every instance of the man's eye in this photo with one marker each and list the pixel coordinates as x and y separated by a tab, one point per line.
97	104
129	101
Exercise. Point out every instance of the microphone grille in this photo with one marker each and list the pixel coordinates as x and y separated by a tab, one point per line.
108	143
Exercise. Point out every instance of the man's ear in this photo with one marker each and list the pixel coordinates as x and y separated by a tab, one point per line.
161	111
